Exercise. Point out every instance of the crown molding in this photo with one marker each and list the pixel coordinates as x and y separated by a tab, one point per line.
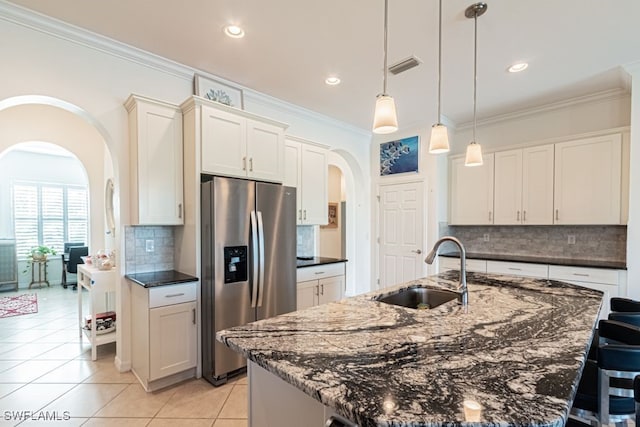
604	95
53	27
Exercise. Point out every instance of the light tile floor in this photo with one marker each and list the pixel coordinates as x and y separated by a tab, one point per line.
46	368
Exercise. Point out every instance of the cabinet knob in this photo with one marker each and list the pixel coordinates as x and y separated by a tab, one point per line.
322	289
557	215
300	214
305	214
524	215
251	164
179	210
244	163
194	315
489	216
518	216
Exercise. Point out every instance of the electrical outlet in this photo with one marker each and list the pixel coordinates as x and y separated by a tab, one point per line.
149	245
571	239
486	237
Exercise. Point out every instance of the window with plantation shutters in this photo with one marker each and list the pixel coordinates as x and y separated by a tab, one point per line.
48	214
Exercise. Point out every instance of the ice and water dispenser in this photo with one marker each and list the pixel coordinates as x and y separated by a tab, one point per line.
235	261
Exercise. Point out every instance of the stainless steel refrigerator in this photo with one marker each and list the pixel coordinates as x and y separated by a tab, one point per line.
248	262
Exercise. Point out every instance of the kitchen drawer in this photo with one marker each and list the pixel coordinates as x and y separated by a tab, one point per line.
474	265
518	269
172	294
581	274
320	272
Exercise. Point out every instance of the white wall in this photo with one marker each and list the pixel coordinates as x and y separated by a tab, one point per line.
633	224
94	76
331	238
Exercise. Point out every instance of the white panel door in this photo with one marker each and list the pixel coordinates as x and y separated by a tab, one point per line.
293	172
401	222
330	289
587	181
537	185
507	201
307	294
314	193
224	148
471	197
172	339
265	151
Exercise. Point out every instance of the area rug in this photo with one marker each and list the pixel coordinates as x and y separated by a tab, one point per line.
18	305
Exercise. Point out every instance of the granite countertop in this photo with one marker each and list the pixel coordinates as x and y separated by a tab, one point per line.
517	351
160	278
318	260
617	265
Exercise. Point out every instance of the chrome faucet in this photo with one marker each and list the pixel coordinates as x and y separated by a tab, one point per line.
462	285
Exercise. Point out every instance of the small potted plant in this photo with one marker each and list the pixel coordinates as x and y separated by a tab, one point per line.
38	254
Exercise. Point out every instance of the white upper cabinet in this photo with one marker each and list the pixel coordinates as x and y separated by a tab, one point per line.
234	142
471	196
307	170
588	180
523	186
155	139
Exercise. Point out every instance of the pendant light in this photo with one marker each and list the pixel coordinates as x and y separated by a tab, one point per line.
474	150
384	118
439	142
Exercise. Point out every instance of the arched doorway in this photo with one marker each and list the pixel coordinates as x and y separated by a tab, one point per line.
42	118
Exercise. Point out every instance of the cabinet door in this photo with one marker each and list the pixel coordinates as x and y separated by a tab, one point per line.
159	164
172	339
313	179
330	289
471	192
224	149
307	295
537	185
508	187
265	151
587	181
292	172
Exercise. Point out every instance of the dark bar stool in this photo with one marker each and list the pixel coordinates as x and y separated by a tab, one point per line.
636	396
625	305
605	392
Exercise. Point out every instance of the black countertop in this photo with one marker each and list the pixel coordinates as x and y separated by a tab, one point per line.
160	278
317	260
617	265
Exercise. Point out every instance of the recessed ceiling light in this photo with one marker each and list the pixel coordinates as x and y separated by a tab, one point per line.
516	68
234	31
332	81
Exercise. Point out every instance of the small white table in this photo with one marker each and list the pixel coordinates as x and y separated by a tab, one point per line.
99	283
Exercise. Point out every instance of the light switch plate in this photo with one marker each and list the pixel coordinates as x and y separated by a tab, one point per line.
149	245
571	239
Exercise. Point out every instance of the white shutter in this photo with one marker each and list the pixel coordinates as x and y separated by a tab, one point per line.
25	208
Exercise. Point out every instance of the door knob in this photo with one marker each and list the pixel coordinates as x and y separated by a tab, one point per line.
418	251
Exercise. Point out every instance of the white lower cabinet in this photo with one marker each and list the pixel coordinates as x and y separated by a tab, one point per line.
274	402
164	334
320	284
540	271
472	265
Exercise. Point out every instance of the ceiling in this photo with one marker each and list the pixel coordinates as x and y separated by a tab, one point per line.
574	48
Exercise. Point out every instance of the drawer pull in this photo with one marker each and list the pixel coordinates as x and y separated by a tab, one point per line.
515	269
319	272
322	289
194	315
174	295
581	274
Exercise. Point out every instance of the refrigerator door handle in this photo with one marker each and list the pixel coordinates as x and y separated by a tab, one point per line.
255	259
261	251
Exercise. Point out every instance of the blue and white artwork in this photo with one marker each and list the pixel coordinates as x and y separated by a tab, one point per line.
399	156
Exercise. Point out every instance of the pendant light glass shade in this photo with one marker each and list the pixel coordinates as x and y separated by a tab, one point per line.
474	150
385	119
439	142
474	155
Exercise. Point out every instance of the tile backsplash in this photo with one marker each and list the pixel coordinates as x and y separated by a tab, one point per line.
592	242
137	240
306	240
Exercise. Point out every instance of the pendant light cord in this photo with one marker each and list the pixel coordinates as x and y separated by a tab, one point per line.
439	57
475	72
386	14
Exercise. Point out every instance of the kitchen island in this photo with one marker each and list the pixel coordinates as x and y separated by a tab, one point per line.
513	356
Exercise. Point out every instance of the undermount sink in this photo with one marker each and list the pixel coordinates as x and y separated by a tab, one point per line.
418	297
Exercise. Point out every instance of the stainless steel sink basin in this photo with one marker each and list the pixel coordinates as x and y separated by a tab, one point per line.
418	297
